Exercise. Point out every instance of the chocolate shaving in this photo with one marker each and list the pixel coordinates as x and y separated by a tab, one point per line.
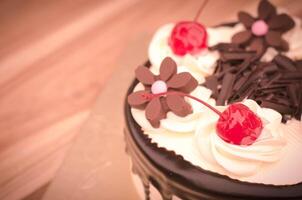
276	85
226	47
298	111
226	88
236	55
285	62
212	83
283	109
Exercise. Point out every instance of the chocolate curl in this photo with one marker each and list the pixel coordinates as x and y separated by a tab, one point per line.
239	83
270	68
283	109
218	67
298	111
285	63
212	83
243	66
226	88
227	69
269	97
297	75
225	47
272	80
263	91
236	55
292	91
299	65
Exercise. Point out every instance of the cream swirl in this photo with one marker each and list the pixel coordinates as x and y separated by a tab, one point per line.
173	123
241	160
202	63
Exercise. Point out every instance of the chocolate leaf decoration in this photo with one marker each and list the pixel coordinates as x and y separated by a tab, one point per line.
282	22
246	19
168	68
154	112
178	105
144	75
242	37
273	38
184	82
138	99
266	10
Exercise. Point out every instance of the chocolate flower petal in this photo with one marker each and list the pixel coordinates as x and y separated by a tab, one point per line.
168	68
138	99
242	37
282	22
144	75
246	19
273	38
258	46
184	82
266	10
284	45
178	105
154	112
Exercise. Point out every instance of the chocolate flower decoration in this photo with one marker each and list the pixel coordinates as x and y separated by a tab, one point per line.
158	105
264	31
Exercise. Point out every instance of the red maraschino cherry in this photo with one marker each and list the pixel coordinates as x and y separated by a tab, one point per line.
188	37
237	124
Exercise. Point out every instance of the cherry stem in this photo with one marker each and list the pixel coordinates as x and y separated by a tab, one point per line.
203	5
191	97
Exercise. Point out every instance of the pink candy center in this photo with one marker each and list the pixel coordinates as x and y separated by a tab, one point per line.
159	87
259	28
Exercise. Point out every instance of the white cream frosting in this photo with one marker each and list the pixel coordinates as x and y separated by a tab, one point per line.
202	63
238	160
272	159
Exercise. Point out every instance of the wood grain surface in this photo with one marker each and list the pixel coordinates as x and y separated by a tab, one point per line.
56	57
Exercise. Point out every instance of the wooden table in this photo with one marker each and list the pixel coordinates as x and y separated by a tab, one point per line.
96	167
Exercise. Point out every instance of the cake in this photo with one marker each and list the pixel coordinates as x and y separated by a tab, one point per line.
215	113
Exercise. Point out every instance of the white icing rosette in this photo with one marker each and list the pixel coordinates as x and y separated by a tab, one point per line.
173	123
202	63
241	160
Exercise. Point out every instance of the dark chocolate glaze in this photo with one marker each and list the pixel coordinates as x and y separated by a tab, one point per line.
172	175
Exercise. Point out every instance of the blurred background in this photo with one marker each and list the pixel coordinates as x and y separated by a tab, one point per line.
56	56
